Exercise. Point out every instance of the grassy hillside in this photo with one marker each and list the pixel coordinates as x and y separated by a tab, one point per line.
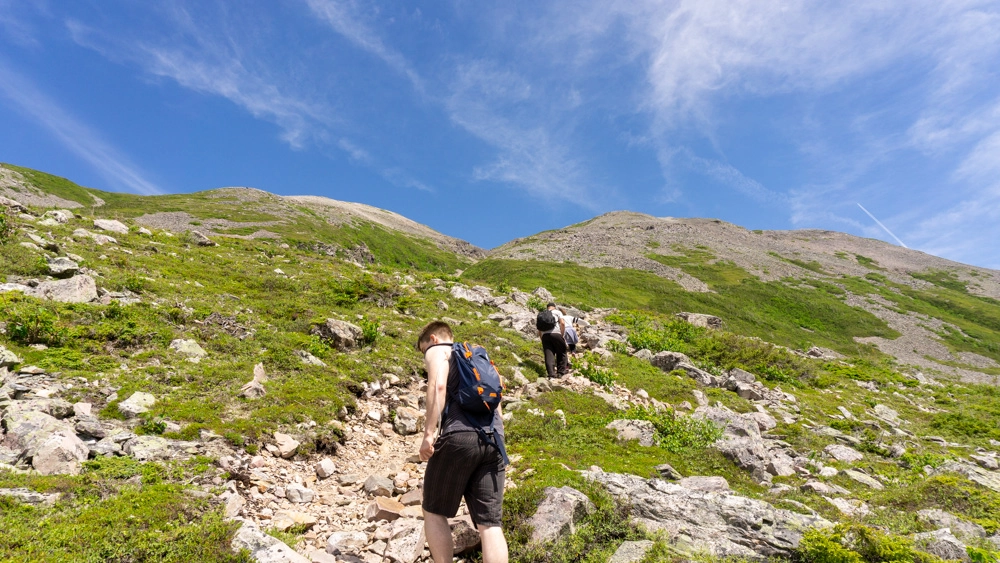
255	301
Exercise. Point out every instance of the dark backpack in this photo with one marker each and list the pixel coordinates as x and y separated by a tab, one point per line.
480	391
545	321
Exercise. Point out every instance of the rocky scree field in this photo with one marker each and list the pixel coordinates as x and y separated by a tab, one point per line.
171	393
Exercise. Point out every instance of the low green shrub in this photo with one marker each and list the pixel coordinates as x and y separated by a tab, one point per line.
677	433
855	543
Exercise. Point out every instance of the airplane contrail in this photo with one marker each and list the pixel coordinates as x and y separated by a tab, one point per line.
884	228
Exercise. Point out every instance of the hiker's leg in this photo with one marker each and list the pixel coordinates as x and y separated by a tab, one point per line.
550	355
439	540
494	544
562	364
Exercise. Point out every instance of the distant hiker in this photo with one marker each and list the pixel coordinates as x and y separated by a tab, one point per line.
570	336
468	457
552	330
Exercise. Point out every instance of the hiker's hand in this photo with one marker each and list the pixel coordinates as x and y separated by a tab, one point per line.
427	448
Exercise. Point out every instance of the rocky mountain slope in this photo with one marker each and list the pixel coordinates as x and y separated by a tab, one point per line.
169	393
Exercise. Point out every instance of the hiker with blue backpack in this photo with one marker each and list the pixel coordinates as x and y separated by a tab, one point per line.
552	330
467	458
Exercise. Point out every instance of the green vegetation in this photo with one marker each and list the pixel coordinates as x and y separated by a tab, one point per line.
940	278
852	543
868	262
812	265
677	434
117	510
786	313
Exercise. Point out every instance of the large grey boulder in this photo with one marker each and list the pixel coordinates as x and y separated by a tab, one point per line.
78	289
111	225
716	523
50	444
461	292
558	513
8	358
262	547
342	335
843	453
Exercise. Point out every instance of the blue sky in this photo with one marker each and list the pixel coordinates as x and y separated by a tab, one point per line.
494	120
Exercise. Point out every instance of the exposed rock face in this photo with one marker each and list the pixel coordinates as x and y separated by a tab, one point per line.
558	513
342	335
477	297
631	552
962	529
668	361
719	523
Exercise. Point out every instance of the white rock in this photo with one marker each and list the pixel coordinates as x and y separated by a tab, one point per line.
111	225
136	404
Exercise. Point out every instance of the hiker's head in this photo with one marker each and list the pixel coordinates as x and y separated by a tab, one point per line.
550	306
435	332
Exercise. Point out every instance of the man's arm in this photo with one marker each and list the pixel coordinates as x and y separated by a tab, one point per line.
437	387
562	327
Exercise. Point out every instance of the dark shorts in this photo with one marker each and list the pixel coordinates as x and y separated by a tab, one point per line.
462	465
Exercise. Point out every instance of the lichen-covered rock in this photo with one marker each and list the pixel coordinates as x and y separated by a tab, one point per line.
942	544
62	267
137	403
111	225
77	289
701	320
642	431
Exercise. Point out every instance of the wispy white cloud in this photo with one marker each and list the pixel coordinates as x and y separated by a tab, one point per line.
356	153
344	18
208	63
392	174
72	133
15	28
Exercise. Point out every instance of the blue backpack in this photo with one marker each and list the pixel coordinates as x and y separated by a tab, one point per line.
480	391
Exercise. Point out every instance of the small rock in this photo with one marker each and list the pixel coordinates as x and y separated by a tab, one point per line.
864	479
383	508
201	240
189	348
345	542
284	520
843	453
287	445
668	472
136	404
378	486
298	494
942	544
62	267
408	421
325	468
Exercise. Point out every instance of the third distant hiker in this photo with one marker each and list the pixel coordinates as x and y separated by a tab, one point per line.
552	330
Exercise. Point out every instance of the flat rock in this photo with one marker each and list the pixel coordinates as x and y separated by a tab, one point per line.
850	506
383	508
342	335
137	403
111	225
148	448
963	529
668	361
62	267
27	496
843	453
864	479
77	289
285	519
379	486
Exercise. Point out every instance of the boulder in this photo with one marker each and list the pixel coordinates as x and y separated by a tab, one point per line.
78	289
701	319
544	294
99	239
379	486
345	542
201	240
309	359
148	448
408	421
642	431
298	494
461	292
8	358
342	335
262	547
666	471
234	504
111	225
383	508
864	479
27	496
558	513
843	453
136	404
62	267
60	454
942	544
406	541
720	524
89	426
325	468
668	361
287	445
254	389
